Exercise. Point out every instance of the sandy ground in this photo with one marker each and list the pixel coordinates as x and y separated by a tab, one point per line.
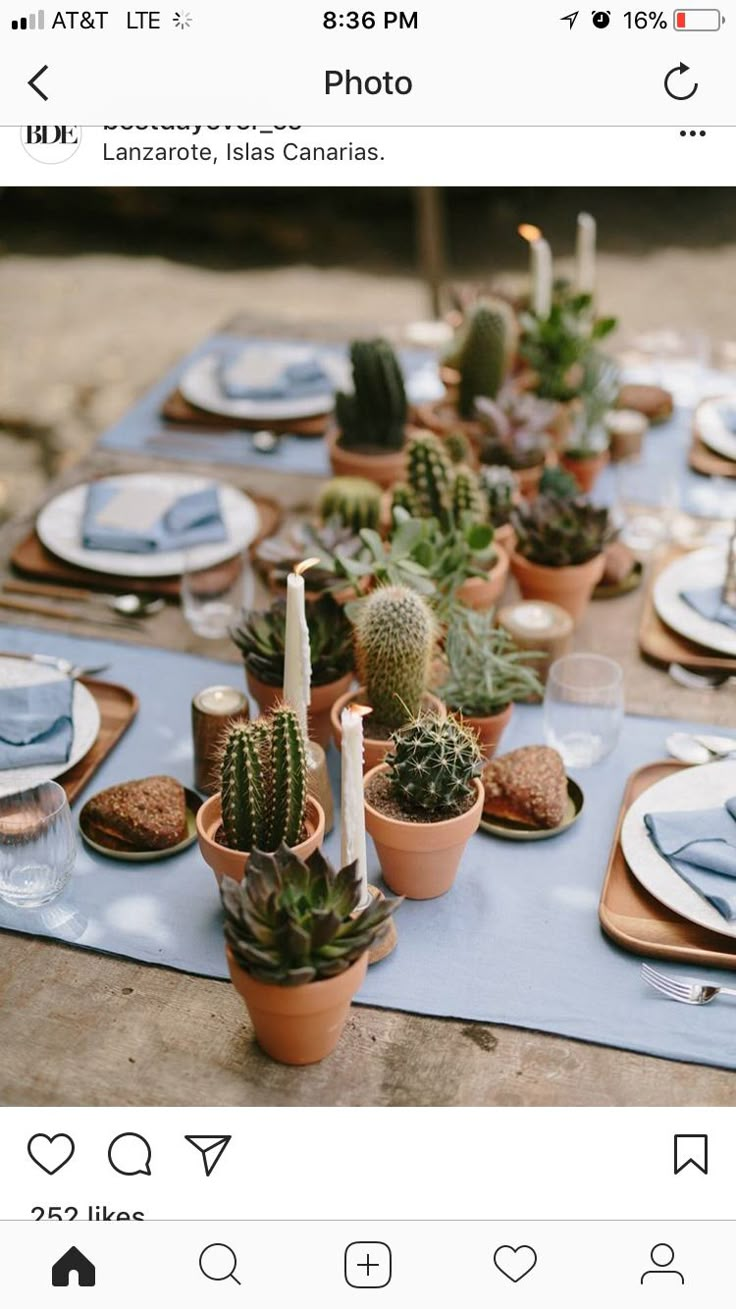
82	336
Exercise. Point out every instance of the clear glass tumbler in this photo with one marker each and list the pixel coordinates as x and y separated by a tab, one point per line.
584	708
213	598
38	845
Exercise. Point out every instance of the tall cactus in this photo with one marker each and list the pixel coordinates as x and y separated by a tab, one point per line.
468	501
375	414
395	634
430	474
485	354
264	783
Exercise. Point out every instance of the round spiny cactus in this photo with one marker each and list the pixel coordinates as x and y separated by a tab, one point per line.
353	501
430	473
395	633
433	765
485	354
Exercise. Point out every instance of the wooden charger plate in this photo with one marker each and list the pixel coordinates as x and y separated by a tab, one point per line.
638	922
662	645
177	410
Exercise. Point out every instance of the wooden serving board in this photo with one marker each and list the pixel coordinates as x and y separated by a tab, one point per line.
31	559
662	645
118	707
180	412
638	922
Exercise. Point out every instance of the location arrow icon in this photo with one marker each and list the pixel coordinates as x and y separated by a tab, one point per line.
570	18
211	1149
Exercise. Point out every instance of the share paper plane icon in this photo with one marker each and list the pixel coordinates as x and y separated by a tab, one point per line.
570	18
212	1148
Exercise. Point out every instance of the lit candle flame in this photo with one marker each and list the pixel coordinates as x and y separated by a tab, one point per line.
528	232
361	709
301	568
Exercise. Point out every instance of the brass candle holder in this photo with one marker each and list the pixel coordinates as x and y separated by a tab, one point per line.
213	709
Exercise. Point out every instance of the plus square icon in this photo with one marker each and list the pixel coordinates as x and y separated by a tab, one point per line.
368	1265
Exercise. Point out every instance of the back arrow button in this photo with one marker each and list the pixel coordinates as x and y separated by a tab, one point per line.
34	79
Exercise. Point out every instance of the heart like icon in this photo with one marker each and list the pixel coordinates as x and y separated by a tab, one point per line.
515	1261
51	1152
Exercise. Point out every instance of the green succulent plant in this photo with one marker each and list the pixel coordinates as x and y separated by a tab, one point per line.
264	782
395	634
277	556
375	414
556	481
486	670
261	638
433	764
404	560
557	533
558	348
499	487
484	356
290	922
353	502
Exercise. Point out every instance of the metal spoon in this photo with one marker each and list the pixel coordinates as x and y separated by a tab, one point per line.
137	606
699	749
265	442
707	680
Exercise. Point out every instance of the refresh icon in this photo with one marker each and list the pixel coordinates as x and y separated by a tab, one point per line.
678	72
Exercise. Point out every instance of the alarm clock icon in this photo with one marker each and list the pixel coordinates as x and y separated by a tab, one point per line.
601	17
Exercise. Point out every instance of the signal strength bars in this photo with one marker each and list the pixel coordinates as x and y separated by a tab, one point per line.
33	23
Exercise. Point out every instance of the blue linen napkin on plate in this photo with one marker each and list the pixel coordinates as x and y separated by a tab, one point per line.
700	846
709	603
300	378
193	519
36	723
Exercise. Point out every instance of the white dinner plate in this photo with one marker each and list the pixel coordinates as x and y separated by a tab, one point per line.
85	719
59	525
715	424
704	787
701	569
200	385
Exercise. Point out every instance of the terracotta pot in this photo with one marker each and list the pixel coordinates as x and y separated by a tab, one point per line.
374	751
420	860
442	418
562	425
489	730
585	470
483	592
570	587
225	862
505	536
384	469
323	698
298	1024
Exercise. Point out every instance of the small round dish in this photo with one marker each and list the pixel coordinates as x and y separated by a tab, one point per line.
624	587
194	802
512	831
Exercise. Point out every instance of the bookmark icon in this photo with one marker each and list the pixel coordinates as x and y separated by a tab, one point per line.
211	1148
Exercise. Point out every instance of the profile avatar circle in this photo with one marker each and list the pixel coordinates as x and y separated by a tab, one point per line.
49	143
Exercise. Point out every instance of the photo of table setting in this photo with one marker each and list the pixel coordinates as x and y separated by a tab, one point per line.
367	723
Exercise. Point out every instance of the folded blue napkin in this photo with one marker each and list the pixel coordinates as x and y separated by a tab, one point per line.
301	378
194	519
709	603
700	845
36	724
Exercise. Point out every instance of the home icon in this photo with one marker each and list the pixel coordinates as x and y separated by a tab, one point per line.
73	1262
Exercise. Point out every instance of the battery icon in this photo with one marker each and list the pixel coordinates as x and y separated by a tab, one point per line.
698	20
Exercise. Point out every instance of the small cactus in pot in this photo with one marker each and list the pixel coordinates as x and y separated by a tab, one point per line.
353	502
371	420
485	354
424	803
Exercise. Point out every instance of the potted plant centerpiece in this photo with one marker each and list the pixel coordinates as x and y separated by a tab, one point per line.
297	947
371	423
424	803
261	639
395	638
559	552
487	673
263	802
515	434
585	454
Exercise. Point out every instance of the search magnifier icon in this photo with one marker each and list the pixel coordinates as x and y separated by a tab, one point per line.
218	1263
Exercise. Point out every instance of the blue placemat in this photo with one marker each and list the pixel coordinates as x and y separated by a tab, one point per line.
516	941
142	429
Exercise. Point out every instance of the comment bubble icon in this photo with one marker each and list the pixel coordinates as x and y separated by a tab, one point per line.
130	1154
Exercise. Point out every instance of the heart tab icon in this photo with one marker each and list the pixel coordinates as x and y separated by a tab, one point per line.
515	1261
51	1153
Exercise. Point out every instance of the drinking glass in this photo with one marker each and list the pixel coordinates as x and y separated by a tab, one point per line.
37	845
583	708
213	598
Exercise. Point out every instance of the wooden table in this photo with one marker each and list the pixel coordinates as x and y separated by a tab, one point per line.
81	1028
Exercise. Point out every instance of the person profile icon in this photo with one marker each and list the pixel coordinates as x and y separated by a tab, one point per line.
662	1256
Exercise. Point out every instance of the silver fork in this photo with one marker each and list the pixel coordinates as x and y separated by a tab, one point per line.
64	666
679	989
